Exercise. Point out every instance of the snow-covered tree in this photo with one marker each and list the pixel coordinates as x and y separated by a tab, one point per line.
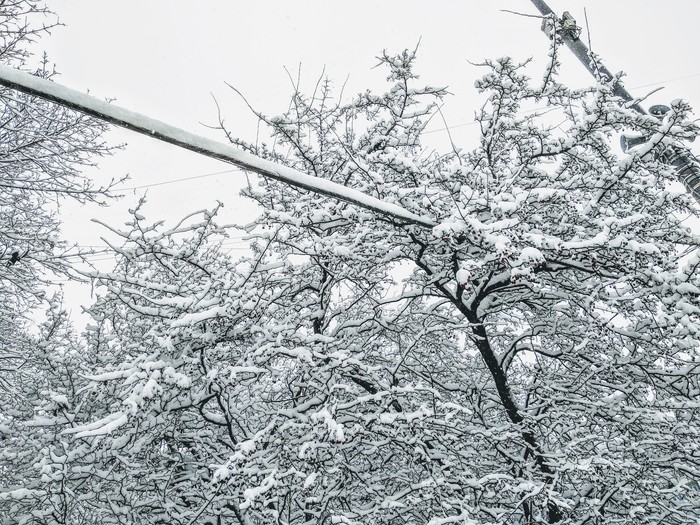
43	147
533	358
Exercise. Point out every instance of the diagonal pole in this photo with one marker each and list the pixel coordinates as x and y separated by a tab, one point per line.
156	129
580	51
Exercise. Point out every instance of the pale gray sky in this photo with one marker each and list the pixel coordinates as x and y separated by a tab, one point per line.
166	58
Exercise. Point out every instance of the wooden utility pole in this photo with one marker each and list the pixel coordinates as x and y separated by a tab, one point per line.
566	28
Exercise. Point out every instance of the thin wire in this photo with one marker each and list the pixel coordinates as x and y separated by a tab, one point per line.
104	254
475	122
666	81
178	180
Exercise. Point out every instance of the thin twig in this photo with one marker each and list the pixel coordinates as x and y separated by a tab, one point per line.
588	30
522	14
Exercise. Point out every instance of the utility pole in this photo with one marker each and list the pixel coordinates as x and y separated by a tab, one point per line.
569	32
681	158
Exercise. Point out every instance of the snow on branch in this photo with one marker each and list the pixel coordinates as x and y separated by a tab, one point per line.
125	118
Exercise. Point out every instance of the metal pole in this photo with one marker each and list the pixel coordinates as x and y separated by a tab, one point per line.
580	51
681	158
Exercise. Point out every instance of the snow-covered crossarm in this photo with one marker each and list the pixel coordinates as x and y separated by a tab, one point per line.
113	114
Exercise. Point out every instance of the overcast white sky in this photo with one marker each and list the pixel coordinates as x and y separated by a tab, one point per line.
167	58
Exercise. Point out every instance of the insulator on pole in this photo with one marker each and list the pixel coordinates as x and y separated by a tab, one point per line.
686	166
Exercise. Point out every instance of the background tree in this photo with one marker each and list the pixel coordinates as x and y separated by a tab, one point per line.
43	148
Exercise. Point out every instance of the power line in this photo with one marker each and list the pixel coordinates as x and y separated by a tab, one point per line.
178	180
444	128
96	255
667	81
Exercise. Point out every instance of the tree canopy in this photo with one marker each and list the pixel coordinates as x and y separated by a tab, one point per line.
533	358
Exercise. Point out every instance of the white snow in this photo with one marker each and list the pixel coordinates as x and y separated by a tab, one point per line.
106	425
198	317
463	276
310	479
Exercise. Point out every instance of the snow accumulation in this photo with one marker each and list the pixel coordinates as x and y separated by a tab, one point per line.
103	426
